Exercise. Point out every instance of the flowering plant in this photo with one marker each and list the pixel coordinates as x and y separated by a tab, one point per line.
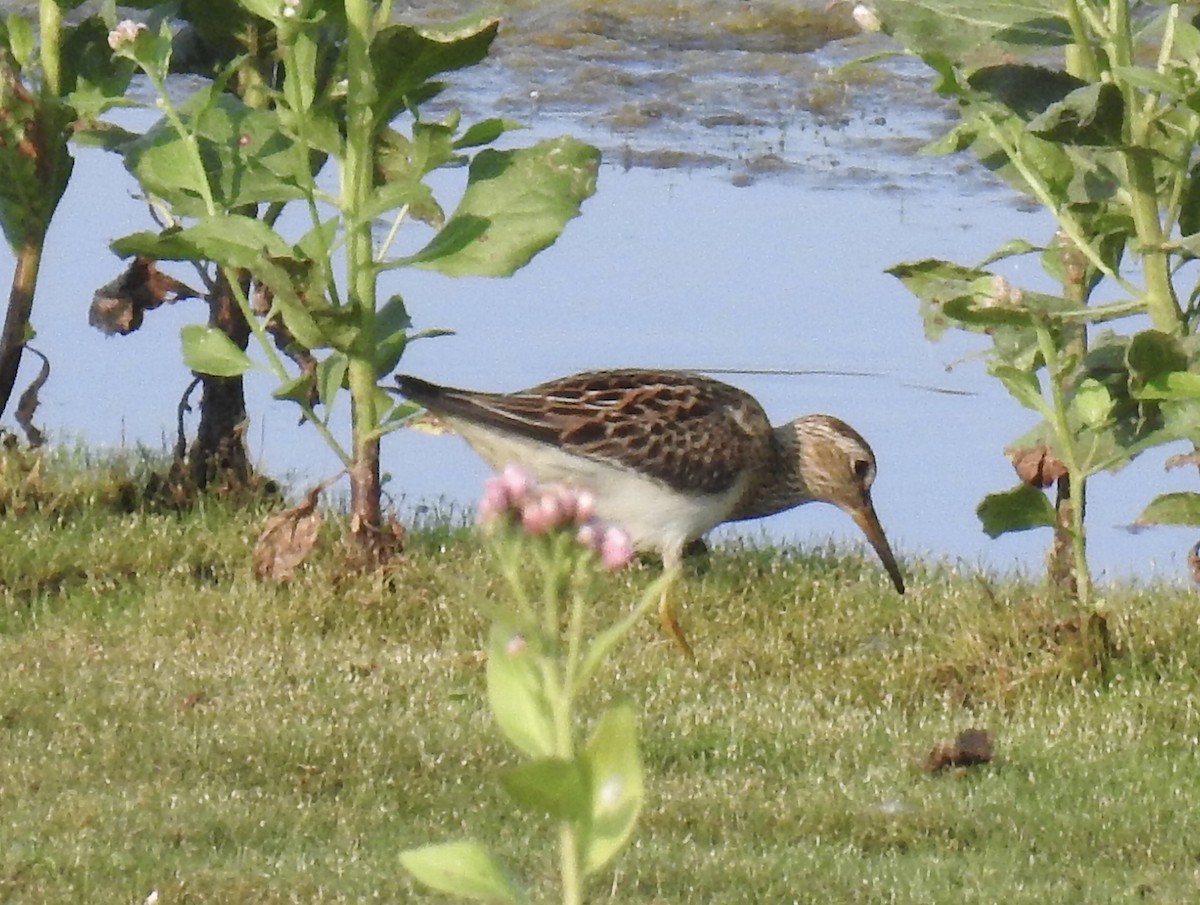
539	660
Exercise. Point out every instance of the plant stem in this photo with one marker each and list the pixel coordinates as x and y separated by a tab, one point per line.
1081	57
50	26
16	320
1078	480
356	176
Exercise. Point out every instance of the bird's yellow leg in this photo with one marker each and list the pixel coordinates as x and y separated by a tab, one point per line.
666	615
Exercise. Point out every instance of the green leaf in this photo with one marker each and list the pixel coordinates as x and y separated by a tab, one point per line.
391	325
1090	115
1024	89
958	28
297	389
246	157
1092	403
20	39
1019	509
464	869
1023	386
1152	352
331	372
516	204
1010	249
406	57
1172	509
207	350
615	771
1181	385
516	692
972	298
231	240
485	132
552	786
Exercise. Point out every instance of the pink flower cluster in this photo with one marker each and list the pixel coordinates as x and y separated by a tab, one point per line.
540	510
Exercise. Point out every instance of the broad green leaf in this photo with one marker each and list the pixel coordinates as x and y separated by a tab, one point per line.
516	692
1172	509
92	78
1165	83
1092	403
391	326
340	326
245	154
1019	509
207	350
296	314
1180	385
465	869
20	39
1026	90
297	389
615	771
1010	249
1090	115
551	786
958	28
406	57
331	371
485	132
231	240
1023	386
1152	352
516	204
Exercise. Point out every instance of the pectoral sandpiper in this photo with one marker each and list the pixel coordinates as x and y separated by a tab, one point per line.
667	455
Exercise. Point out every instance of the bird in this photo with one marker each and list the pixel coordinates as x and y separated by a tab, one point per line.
667	455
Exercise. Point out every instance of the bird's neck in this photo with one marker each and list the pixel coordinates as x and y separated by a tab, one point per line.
782	485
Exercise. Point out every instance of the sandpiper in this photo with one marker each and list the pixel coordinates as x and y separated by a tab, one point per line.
667	454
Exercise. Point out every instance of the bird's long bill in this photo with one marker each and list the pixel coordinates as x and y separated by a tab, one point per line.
868	521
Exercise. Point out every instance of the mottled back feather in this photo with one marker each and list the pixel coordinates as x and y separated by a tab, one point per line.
691	433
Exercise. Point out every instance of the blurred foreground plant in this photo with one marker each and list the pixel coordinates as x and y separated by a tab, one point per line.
1108	145
550	550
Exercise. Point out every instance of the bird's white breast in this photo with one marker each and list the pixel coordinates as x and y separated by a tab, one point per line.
655	517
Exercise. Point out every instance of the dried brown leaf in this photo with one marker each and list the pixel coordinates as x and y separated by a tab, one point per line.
120	305
1182	459
1037	465
28	403
287	538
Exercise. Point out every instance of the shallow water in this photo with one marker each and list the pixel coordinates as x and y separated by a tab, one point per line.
762	257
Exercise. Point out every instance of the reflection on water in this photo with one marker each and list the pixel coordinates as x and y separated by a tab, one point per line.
776	283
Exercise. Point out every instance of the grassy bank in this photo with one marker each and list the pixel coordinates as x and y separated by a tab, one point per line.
168	723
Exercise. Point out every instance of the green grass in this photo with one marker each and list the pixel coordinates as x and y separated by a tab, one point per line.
169	723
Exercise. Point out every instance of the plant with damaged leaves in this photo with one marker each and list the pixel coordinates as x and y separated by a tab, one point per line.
1109	146
344	87
540	658
49	77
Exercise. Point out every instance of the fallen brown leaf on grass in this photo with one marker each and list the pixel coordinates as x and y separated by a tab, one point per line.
972	747
287	538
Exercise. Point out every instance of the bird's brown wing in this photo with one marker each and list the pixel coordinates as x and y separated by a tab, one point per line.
692	433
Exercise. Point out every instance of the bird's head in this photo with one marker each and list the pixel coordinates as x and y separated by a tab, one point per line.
836	465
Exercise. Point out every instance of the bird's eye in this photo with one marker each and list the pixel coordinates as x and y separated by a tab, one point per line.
862	469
